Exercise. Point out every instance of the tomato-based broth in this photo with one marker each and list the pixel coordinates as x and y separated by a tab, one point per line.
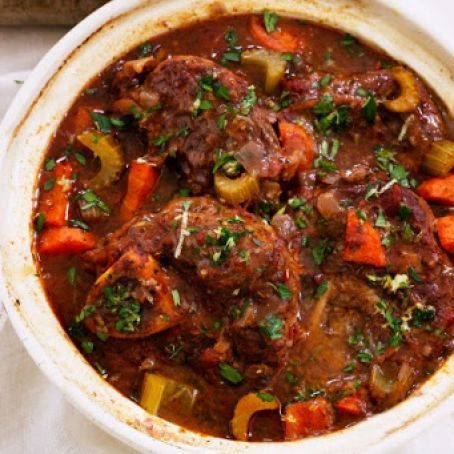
245	226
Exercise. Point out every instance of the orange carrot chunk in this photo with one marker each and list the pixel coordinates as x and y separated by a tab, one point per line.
142	179
362	242
279	40
351	405
439	190
54	202
307	418
82	121
65	241
299	145
445	227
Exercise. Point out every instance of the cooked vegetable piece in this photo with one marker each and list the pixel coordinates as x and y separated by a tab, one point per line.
82	121
308	418
270	62
142	179
409	96
445	228
65	241
440	190
351	405
238	190
279	40
246	407
156	314
390	390
299	145
362	242
158	391
109	152
439	160
54	203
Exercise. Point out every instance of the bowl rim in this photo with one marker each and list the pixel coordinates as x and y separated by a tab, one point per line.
12	122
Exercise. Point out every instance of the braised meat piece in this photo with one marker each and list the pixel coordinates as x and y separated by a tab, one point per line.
192	120
228	252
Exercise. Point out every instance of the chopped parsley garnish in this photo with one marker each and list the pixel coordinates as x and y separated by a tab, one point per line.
176	297
265	397
327	153
102	122
388	240
320	251
249	101
80	158
282	291
185	192
221	122
224	241
381	221
91	200
296	202
233	53
325	80
365	356
329	116
421	316
71	275
404	212
50	164
78	224
87	311
231	37
120	302
414	275
361	215
270	20
386	161
321	290
369	109
348	40
210	84
145	50
39	222
349	368
49	184
230	373
272	327
87	346
394	323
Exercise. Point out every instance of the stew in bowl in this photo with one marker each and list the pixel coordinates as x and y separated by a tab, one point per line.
251	236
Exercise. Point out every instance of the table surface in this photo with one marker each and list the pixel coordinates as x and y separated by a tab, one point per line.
34	416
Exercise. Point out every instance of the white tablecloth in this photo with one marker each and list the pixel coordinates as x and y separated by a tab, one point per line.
34	417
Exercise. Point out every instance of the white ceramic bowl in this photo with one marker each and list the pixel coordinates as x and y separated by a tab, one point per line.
25	133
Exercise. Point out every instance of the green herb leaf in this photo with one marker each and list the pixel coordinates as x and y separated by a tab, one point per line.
369	109
320	251
145	50
102	122
71	274
176	297
266	397
49	184
91	200
87	346
365	356
270	20
249	101
321	290
414	275
283	292
230	373
39	222
50	164
272	327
